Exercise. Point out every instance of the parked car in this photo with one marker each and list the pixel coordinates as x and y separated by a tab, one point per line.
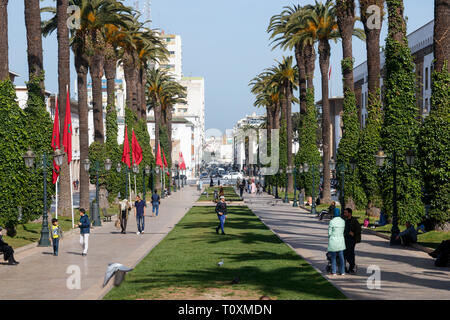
233	176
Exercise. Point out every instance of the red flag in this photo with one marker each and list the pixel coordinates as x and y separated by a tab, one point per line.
329	74
158	157
67	133
126	149
182	163
165	162
136	150
164	156
55	140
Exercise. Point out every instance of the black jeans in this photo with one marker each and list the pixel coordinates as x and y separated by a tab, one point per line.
55	245
406	240
8	253
349	252
123	221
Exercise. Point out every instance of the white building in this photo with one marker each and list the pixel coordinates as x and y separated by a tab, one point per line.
240	159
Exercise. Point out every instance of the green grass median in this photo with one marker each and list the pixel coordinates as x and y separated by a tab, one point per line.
230	194
185	264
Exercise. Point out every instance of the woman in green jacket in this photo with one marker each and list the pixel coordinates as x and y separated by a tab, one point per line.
336	242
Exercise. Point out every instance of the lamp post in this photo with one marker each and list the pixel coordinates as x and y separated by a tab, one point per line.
146	171
295	204
380	158
29	157
276	194
107	166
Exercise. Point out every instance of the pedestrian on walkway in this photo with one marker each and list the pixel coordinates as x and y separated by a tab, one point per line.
56	236
124	210
241	188
8	252
85	230
221	210
211	183
336	242
156	201
352	236
139	213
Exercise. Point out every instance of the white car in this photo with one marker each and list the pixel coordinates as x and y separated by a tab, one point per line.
233	176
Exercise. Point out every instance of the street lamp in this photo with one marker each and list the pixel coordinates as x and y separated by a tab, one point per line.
146	171
107	166
58	157
295	204
380	158
276	192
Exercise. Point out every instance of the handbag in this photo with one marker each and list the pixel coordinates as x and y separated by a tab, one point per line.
117	224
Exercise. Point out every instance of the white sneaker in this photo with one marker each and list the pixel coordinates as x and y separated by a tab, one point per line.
142	232
138	232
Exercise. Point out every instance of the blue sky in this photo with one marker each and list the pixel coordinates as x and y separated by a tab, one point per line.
223	41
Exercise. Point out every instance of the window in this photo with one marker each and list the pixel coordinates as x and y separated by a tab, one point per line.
426	78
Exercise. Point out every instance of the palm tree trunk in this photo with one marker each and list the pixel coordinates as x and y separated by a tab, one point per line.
4	61
276	116
82	66
137	75
34	41
64	203
110	74
324	62
128	68
302	77
96	70
288	92
397	24
373	50
441	34
143	94
310	64
346	22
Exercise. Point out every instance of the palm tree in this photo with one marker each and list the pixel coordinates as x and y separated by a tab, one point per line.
441	34
373	50
156	81
322	19
34	41
285	75
64	202
4	62
285	27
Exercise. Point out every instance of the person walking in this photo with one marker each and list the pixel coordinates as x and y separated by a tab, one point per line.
139	213
156	201
56	236
85	230
211	183
8	252
352	236
221	210
336	242
241	188
124	210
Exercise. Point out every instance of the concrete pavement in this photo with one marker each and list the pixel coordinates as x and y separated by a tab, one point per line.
405	273
40	275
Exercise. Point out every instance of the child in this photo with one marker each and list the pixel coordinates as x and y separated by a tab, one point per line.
56	235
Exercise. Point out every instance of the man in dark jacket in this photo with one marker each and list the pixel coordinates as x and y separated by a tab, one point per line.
85	230
156	201
352	235
408	236
8	252
221	210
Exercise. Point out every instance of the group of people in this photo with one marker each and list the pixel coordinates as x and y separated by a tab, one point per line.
249	186
343	235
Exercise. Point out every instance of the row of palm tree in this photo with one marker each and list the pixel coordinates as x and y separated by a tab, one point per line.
299	29
109	33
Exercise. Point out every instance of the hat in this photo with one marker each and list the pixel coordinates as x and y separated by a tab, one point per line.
222	197
337	212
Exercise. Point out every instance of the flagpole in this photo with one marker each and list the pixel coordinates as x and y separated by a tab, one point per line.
56	200
129	183
135	190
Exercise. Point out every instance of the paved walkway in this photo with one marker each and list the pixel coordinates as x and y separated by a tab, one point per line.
40	275
406	273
